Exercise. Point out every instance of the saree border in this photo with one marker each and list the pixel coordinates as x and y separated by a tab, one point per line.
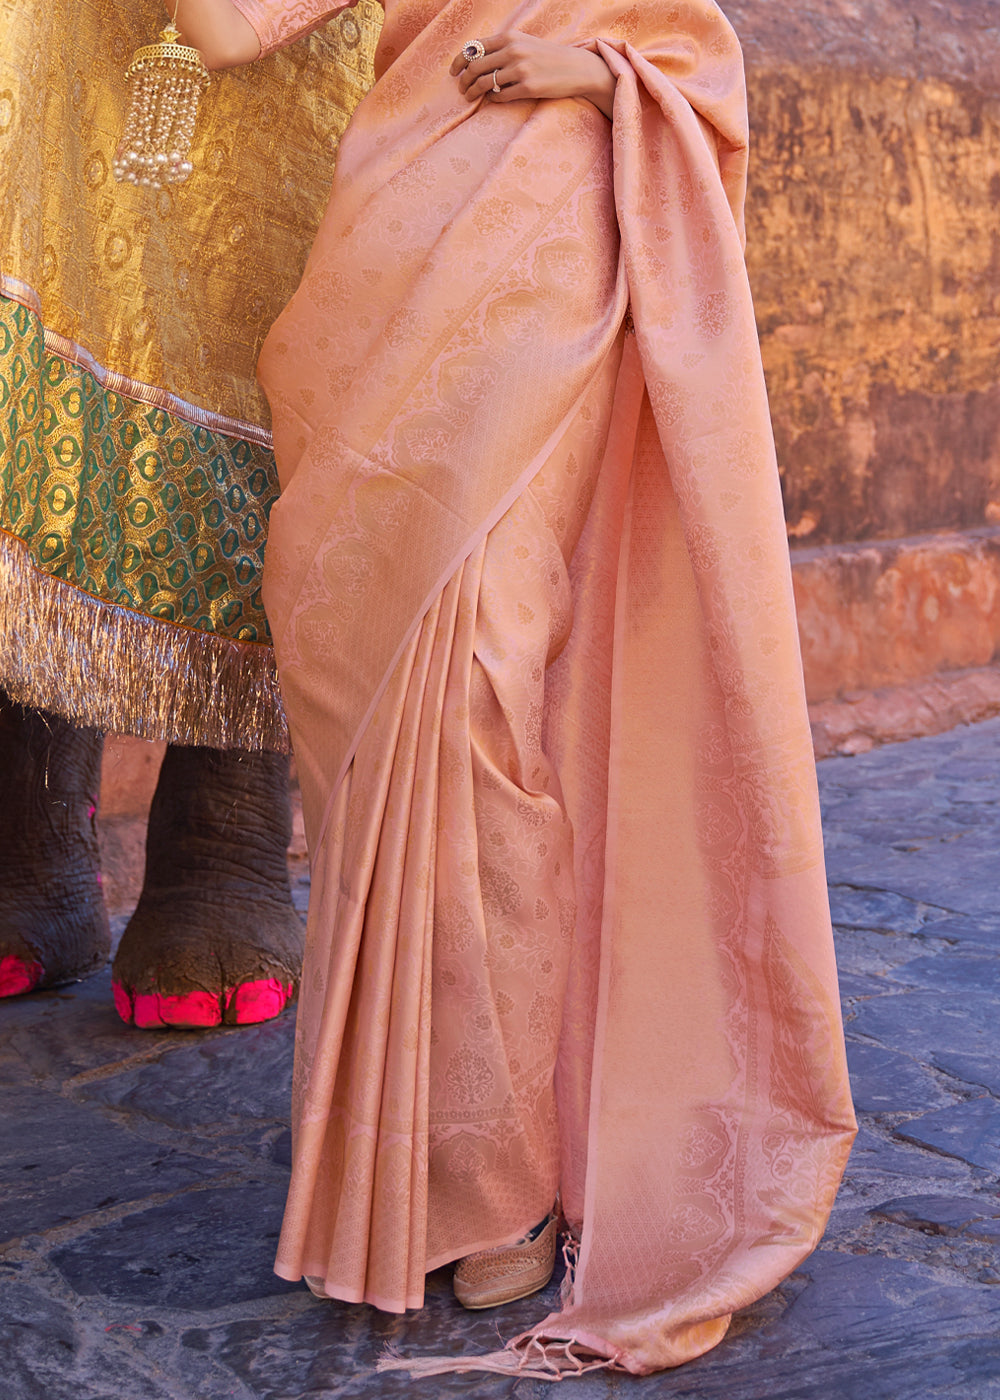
115	381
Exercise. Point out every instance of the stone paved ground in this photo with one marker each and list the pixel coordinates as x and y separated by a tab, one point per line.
143	1174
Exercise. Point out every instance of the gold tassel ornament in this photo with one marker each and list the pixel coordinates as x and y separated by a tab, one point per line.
166	81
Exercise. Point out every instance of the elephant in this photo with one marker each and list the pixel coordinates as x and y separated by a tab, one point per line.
135	482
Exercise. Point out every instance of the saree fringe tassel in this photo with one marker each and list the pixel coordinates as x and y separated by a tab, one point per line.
102	665
531	1359
535	1358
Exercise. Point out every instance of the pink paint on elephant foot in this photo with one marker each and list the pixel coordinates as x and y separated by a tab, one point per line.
258	1001
18	975
247	1004
157	1011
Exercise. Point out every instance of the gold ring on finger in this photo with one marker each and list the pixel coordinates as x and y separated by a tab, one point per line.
474	49
496	85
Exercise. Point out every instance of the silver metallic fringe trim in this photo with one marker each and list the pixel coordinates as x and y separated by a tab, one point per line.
102	665
117	383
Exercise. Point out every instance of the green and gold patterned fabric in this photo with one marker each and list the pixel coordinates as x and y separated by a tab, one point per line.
136	474
123	500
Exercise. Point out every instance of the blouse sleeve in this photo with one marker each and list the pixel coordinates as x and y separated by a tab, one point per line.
279	22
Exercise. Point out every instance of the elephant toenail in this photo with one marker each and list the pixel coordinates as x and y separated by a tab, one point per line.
243	1005
259	1001
188	1011
17	975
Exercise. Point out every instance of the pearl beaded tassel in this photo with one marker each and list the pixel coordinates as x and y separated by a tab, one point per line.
166	81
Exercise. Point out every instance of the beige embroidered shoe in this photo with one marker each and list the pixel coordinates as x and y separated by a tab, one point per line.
494	1276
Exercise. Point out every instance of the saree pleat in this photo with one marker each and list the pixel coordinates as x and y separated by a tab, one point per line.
360	1092
503	910
531	601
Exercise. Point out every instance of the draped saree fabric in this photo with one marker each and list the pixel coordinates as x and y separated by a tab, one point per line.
530	597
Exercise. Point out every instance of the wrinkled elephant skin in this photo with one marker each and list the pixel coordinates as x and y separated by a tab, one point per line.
53	924
214	939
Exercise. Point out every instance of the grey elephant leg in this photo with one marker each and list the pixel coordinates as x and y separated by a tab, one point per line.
53	924
214	939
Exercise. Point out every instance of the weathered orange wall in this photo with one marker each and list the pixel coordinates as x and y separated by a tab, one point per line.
874	253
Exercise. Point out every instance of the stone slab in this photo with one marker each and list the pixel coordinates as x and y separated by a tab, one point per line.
969	1071
54	1035
970	1131
873	952
852	1327
952	971
958	876
331	1349
281	1149
233	1082
60	1160
45	1353
885	1081
202	1250
924	1022
962	931
954	868
875	1156
859	986
854	907
977	1217
851	1298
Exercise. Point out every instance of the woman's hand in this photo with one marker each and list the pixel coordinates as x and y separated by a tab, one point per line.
525	67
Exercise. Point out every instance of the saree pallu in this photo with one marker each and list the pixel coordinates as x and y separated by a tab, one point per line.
530	596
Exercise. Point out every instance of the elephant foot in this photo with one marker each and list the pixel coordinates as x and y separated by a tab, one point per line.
197	965
51	935
215	940
53	924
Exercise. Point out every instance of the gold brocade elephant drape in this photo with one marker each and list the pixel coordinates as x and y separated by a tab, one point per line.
136	473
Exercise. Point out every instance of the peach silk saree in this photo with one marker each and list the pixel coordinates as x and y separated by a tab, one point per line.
530	597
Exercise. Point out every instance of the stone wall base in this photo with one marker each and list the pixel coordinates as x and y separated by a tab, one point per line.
861	719
899	636
886	612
